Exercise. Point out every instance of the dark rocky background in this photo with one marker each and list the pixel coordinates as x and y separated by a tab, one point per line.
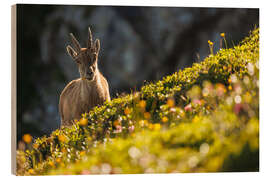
137	44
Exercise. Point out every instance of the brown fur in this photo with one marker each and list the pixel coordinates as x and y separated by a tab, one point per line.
90	90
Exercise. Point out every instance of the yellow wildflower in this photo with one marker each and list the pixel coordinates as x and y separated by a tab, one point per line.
170	102
182	113
150	126
82	153
63	150
27	138
51	163
62	164
127	111
58	160
31	171
83	121
115	123
222	34
61	138
142	104
147	115
143	123
89	138
157	126
35	145
164	119
195	119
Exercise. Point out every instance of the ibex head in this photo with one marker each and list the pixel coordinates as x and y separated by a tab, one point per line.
86	58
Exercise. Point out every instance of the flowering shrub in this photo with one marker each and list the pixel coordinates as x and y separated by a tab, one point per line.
202	119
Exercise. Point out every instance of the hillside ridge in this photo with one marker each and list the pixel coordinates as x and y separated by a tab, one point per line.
204	118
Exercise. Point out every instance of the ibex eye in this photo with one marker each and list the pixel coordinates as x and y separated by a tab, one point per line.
77	60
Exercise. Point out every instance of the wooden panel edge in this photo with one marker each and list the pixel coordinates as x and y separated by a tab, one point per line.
13	87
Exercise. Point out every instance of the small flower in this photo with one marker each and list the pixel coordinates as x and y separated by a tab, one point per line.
247	97
61	138
35	145
170	102
58	160
222	35
83	122
210	43
51	163
197	102
188	107
157	126
143	123
220	89
106	168
142	104
238	108
131	128
147	115
150	126
195	119
233	78
115	123
63	150
204	148
182	113
238	89
118	129
82	153
31	171
237	99
134	152
127	111
62	164
85	172
27	138
164	119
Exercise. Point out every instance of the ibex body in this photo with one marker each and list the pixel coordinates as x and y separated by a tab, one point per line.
90	90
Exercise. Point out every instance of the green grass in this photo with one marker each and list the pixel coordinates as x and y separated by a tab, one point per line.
201	119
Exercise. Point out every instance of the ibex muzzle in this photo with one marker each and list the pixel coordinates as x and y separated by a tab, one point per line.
91	89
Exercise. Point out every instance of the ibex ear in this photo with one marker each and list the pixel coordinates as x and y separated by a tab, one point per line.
97	45
71	52
76	44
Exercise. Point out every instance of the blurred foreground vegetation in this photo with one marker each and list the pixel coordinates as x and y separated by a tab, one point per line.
200	119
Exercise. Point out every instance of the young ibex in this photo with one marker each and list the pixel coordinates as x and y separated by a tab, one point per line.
90	90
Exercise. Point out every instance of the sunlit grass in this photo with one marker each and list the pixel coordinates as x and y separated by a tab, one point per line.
202	119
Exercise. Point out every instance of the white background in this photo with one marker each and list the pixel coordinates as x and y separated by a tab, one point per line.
5	88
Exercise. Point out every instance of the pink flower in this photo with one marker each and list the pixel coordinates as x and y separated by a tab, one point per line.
238	108
220	89
85	172
197	101
188	107
131	128
118	129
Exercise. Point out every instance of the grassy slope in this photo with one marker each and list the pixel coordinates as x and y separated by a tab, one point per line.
202	119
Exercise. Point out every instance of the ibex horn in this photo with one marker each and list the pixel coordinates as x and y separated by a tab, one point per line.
90	39
75	43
